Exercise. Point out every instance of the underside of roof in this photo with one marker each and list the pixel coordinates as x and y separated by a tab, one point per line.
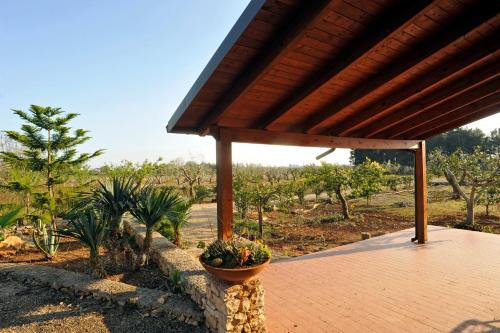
374	69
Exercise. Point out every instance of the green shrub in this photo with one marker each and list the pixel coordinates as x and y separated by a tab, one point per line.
235	253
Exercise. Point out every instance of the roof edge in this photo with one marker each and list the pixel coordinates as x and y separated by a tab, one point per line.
232	37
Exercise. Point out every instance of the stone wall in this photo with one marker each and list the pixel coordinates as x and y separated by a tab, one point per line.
227	308
148	301
235	308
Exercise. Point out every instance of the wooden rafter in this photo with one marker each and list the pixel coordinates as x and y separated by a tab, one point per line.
490	91
460	25
286	39
419	86
308	140
375	32
440	119
450	124
476	85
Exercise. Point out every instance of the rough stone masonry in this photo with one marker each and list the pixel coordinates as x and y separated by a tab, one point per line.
227	308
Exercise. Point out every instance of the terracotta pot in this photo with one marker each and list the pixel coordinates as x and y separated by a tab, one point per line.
235	275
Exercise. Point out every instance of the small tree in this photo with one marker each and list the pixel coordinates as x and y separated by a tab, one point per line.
90	230
261	193
491	197
337	179
368	179
149	207
178	218
48	146
481	170
241	195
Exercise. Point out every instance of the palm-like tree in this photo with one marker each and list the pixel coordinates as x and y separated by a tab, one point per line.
114	200
150	206
178	219
91	230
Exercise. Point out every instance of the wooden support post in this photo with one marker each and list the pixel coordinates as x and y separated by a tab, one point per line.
224	186
420	194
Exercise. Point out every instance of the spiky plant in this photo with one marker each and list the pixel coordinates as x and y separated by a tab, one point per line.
150	206
9	219
114	200
90	230
178	218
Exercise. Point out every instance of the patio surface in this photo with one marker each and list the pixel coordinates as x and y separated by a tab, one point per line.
388	284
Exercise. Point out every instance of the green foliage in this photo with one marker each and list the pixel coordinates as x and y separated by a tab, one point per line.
9	219
45	238
48	147
480	170
178	218
393	181
241	194
368	179
235	253
150	206
175	281
285	195
114	199
90	230
201	193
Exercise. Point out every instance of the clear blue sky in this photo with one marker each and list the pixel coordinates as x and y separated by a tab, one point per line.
124	66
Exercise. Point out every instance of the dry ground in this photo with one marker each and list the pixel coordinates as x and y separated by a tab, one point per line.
43	310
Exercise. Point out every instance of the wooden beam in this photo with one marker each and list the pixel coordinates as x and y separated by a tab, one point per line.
460	25
463	90
224	186
448	106
420	194
374	33
284	40
326	153
457	122
419	86
308	140
438	121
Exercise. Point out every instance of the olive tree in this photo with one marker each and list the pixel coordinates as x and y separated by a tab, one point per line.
367	179
337	179
481	170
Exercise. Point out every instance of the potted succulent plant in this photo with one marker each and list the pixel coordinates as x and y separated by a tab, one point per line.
235	261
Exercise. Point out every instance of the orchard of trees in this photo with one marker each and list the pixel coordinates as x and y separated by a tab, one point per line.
42	171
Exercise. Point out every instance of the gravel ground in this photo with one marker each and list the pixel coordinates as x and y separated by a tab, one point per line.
42	310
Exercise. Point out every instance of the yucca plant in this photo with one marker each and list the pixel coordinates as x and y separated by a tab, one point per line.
9	219
150	206
91	230
114	200
178	218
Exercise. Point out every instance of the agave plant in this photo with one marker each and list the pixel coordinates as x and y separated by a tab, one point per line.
90	230
178	218
150	206
9	219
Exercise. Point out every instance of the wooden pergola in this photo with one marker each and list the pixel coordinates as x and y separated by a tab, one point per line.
361	74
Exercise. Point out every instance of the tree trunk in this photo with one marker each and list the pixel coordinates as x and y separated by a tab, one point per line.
96	266
456	193
148	240
177	237
470	207
487	209
261	222
343	201
470	213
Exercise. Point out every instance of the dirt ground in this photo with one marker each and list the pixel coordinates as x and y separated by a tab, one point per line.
43	310
73	257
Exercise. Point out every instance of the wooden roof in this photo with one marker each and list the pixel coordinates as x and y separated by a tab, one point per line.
375	69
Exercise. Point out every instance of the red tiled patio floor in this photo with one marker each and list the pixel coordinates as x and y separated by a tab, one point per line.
388	284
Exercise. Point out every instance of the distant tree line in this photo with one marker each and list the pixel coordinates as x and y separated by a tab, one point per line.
464	138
